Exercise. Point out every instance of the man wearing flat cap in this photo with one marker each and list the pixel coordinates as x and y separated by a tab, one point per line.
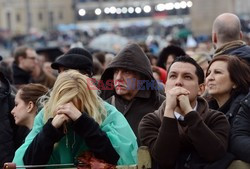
76	58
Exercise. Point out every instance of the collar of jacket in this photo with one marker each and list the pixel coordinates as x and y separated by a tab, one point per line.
227	46
246	102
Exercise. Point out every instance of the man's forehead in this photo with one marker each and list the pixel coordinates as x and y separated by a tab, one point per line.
120	68
123	69
31	51
182	67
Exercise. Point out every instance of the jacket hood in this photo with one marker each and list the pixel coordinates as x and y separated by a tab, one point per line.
131	57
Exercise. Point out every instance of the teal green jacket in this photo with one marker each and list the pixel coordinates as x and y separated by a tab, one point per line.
116	127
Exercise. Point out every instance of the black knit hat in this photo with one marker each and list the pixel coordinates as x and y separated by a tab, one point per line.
169	50
75	58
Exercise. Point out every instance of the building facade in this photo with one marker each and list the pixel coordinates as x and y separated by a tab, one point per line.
25	16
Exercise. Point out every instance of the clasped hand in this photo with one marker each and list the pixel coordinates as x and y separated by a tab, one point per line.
65	113
177	98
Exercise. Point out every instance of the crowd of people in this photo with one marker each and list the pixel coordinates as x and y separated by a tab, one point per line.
190	108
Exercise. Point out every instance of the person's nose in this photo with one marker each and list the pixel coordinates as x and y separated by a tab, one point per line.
118	75
179	81
13	111
210	77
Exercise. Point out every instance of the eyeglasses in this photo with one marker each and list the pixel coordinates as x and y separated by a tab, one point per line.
32	58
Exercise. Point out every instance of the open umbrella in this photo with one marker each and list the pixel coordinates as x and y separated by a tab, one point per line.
108	42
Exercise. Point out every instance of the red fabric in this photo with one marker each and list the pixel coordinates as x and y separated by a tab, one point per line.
88	161
163	74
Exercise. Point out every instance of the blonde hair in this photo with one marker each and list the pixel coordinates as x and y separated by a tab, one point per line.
72	86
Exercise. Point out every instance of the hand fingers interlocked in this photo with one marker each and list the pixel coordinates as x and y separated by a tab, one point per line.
184	103
69	110
173	94
59	119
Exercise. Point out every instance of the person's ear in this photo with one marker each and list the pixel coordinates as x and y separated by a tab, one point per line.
241	35
201	89
30	107
21	58
214	38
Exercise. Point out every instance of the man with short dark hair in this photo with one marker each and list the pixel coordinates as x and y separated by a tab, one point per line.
24	63
227	37
184	132
135	91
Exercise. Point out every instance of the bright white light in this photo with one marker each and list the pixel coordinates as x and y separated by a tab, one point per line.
169	6
189	4
81	12
183	4
177	5
160	7
124	10
118	10
147	9
112	10
138	10
98	11
106	10
131	10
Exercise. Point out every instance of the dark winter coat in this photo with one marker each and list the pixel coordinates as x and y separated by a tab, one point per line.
11	136
196	142
240	137
20	76
230	108
237	48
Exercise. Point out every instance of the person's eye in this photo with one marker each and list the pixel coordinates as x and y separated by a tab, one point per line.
217	72
172	76
127	72
188	77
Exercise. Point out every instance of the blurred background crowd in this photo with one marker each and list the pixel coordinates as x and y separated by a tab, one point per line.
107	25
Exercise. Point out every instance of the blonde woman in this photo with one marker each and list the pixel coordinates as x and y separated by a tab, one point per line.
75	120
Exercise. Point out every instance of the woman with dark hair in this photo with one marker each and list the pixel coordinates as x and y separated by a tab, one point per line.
26	104
227	81
168	54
